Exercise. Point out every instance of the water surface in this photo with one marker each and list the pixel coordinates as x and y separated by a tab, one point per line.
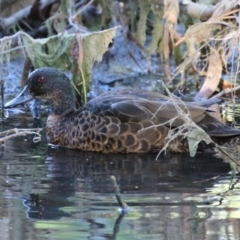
53	193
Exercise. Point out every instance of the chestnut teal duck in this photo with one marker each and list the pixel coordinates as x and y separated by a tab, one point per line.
128	120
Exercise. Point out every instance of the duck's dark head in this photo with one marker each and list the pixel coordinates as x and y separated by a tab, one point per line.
49	84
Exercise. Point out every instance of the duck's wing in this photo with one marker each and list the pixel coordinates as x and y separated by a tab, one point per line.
154	96
131	106
135	106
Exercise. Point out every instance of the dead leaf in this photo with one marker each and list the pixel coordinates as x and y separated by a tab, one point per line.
214	74
194	137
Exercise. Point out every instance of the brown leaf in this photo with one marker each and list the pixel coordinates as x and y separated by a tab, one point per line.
223	85
213	75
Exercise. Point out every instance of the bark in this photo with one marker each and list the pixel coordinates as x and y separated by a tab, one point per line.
24	12
9	7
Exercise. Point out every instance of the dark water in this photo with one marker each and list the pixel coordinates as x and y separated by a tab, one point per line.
49	193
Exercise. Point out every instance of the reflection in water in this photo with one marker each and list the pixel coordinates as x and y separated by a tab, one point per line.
49	193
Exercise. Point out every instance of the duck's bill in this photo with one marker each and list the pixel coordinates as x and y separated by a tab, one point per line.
22	97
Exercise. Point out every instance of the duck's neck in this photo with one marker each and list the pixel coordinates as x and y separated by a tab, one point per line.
63	103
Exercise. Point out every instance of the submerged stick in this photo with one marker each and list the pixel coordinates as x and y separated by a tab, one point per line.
124	207
227	154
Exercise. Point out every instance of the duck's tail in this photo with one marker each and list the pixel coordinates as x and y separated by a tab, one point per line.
217	129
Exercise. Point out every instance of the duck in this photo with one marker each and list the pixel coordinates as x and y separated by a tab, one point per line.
118	121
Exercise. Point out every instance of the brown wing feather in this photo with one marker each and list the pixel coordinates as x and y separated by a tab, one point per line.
144	105
132	106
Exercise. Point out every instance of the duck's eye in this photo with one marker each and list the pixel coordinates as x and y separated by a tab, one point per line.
41	79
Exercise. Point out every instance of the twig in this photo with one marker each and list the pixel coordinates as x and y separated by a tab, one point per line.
226	153
124	207
160	124
129	51
17	34
208	179
225	91
132	55
21	132
82	9
26	69
2	95
13	49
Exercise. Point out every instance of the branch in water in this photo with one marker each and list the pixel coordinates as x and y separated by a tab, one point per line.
124	207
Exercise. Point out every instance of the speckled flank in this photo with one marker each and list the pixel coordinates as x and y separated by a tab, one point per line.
104	134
